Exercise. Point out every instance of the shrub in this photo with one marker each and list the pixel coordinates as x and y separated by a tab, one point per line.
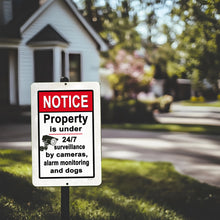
197	99
193	99
133	111
126	111
201	99
164	103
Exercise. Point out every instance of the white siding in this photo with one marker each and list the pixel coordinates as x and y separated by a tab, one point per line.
25	74
59	16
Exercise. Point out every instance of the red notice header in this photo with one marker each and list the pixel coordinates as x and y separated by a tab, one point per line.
65	101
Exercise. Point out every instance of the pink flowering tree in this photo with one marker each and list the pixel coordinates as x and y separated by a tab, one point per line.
129	77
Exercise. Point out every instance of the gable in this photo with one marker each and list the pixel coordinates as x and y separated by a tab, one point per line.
15	28
22	10
48	35
74	11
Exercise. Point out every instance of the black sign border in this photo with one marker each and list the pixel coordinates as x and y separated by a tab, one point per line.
93	141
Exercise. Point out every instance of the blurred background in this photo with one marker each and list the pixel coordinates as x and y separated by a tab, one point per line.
155	53
160	52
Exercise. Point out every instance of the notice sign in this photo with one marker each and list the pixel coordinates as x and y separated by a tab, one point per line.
66	140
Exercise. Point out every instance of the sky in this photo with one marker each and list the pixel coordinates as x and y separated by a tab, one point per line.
162	13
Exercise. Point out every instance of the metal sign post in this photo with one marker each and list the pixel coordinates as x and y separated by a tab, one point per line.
65	203
65	200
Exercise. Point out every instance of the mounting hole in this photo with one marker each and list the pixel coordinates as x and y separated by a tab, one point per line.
67	184
65	84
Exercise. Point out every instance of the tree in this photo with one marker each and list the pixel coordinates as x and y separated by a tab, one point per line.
115	24
130	77
199	42
117	21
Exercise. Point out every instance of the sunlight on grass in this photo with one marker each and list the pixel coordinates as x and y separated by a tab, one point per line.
116	206
130	190
16	162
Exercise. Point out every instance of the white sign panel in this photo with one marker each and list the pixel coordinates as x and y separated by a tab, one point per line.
66	134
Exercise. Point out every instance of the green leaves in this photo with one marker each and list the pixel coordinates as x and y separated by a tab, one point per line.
199	40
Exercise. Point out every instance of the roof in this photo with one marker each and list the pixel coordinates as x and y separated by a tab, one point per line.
47	34
22	21
12	29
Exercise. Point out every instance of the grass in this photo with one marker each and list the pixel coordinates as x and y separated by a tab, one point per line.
130	190
208	104
198	129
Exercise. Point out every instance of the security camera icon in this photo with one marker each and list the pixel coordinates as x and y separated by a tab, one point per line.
48	140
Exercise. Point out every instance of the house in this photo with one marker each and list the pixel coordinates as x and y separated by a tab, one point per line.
40	41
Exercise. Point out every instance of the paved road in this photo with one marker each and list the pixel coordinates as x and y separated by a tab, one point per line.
194	155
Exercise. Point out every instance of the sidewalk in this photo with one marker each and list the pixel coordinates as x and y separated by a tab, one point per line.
180	114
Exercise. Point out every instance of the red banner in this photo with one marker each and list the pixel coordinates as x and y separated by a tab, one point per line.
65	101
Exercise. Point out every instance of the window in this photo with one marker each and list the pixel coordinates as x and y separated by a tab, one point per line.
4	78
75	67
43	65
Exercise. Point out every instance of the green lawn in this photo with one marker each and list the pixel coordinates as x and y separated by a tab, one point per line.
199	129
130	190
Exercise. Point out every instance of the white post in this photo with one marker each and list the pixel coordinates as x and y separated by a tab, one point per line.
57	68
67	64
